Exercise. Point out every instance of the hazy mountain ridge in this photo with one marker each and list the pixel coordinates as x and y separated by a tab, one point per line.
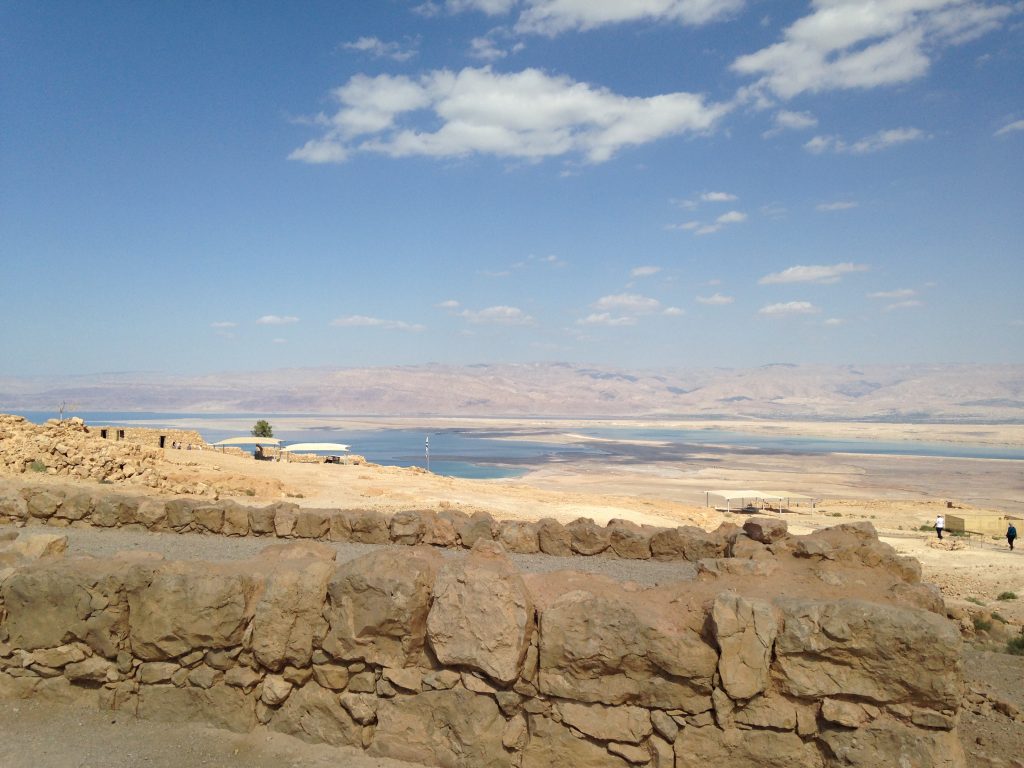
981	393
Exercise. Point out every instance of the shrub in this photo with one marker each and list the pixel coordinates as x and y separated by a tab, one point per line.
1006	596
37	466
999	617
1015	645
975	600
980	625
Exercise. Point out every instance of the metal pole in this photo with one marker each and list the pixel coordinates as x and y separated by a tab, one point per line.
426	449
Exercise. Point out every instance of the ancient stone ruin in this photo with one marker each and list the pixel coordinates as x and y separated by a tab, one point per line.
783	651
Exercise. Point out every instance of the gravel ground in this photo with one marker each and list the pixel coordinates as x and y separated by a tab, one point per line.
104	542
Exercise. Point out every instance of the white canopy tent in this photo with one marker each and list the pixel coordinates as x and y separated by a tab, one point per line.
756	496
249	441
316	447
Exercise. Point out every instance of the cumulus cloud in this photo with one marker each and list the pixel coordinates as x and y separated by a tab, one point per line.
552	17
497	315
362	321
606	318
789	308
818	273
673	312
833	321
1016	125
627	302
847	44
644	271
718	197
732	217
528	115
876	142
794	121
715	300
277	320
223	325
838	205
379	49
899	293
448	304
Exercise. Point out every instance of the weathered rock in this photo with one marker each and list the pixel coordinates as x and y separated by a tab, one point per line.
94	669
587	538
407	527
479	525
39	546
633	754
516	733
518	536
276	690
151	514
766	530
711	746
553	538
44	503
285	517
209	517
236	520
75	506
482	616
333	676
313	523
179	513
745	631
891	743
878	652
156	672
367	526
261	520
219	706
361	706
615	649
378	605
687	543
624	723
184	607
630	543
288	616
451	728
552	744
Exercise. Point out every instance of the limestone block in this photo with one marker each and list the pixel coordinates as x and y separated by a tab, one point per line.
333	676
745	631
95	669
849	714
882	653
405	679
44	503
766	530
75	506
156	672
552	744
13	505
368	526
219	706
209	517
186	606
313	523
288	616
611	647
377	606
152	514
482	616
179	513
892	743
626	724
407	527
242	677
633	754
53	657
553	538
452	728
275	690
687	543
711	746
480	525
440	532
236	520
261	520
39	546
516	734
361	706
285	517
587	538
769	710
630	544
519	536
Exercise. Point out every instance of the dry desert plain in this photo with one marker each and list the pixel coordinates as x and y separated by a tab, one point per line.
898	494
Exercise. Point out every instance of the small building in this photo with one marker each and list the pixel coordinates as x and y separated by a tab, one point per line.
988	523
152	438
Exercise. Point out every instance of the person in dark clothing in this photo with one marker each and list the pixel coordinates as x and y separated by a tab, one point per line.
1011	534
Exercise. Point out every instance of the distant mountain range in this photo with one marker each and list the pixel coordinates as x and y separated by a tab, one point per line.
917	393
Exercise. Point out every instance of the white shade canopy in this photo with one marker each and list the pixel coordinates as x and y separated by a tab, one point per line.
315	447
249	441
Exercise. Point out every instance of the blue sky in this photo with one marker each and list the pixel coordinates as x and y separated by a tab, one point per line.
196	187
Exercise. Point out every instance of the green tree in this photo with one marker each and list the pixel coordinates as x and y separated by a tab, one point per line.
262	428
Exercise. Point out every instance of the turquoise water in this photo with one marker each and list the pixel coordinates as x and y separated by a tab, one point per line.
473	454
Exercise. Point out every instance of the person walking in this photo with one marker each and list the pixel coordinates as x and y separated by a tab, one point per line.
1011	534
940	523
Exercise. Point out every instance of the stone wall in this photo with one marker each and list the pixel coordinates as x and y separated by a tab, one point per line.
773	657
151	438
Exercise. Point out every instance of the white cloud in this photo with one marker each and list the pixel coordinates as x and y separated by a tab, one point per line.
819	273
277	320
1016	125
845	44
838	205
732	217
490	7
873	143
627	302
362	321
606	318
715	300
644	271
899	293
789	308
528	115
718	197
224	324
833	321
690	225
908	304
551	17
497	315
448	304
380	49
673	312
794	121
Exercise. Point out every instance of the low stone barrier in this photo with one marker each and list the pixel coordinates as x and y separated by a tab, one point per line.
796	652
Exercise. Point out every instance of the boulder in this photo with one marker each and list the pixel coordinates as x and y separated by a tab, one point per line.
713	746
479	525
518	536
185	606
888	742
313	523
552	744
408	527
553	538
745	631
627	724
368	526
453	728
687	542
766	530
587	538
39	546
287	617
236	520
630	543
482	616
613	647
377	606
261	520
314	714
882	653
